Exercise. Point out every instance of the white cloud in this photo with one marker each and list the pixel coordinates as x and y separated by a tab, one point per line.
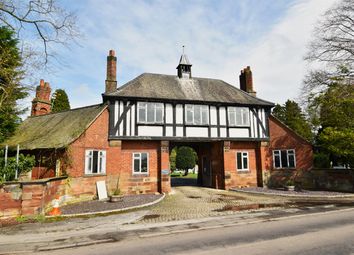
221	38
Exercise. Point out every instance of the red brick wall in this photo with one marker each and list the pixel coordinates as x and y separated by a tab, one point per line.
29	198
119	159
10	200
234	178
281	137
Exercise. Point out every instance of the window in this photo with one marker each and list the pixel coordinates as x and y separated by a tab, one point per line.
284	158
150	112
242	161
95	162
140	163
197	114
238	116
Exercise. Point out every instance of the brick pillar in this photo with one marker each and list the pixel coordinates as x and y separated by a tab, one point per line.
165	182
262	164
227	164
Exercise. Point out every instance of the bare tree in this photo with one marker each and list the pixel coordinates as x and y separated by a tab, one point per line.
42	20
333	39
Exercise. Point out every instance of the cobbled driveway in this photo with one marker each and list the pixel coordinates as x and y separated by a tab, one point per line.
189	202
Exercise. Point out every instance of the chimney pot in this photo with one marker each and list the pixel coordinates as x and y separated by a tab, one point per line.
112	53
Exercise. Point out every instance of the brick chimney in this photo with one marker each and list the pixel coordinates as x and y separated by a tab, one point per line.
41	103
246	81
111	79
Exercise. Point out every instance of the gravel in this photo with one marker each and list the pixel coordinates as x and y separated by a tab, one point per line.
296	193
100	206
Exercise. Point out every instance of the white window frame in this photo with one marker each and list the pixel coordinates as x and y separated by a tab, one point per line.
244	154
192	109
288	151
133	158
244	111
144	105
101	161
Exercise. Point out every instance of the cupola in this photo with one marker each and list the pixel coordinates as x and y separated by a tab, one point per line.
184	68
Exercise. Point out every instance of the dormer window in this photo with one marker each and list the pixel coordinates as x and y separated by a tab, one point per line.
150	112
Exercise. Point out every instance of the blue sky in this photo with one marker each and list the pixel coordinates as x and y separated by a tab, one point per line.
221	38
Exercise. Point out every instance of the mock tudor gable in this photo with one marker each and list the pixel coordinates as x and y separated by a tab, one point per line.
182	107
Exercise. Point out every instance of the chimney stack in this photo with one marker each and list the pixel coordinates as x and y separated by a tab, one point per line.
41	103
111	79
246	81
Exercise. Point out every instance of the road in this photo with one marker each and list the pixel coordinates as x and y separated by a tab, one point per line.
319	233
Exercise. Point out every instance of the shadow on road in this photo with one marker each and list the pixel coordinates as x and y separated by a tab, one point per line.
181	181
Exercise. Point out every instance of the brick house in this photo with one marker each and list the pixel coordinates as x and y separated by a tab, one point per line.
129	136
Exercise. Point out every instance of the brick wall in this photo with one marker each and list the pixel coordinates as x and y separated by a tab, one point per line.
119	159
30	198
281	137
233	177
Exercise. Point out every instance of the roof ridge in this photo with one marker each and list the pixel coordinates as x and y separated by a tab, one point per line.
69	110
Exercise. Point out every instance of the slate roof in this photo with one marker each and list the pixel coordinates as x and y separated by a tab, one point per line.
170	87
54	130
184	60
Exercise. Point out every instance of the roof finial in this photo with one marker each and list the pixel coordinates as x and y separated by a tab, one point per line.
183	49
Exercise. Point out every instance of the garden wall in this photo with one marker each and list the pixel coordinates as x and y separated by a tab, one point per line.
341	180
29	198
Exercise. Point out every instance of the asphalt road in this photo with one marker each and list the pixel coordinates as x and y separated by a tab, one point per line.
320	233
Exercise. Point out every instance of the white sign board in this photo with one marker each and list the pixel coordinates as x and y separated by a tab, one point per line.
101	190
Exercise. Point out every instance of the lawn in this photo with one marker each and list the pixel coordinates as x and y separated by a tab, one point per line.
181	175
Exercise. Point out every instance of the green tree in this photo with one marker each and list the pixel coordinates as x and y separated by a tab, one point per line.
185	158
7	173
328	90
291	115
11	89
60	101
173	155
336	117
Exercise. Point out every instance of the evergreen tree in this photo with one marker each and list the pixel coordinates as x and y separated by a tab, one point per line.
11	89
60	101
185	158
291	115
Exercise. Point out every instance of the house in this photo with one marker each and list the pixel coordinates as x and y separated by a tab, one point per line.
126	140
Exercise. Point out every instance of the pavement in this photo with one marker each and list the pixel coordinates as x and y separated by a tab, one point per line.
187	208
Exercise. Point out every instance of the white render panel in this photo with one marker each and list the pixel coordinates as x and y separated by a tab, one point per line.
179	114
128	121
213	115
222	114
121	109
222	132
264	122
116	113
251	125
214	132
149	131
197	132
169	131
255	124
179	131
238	132
132	122
169	113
